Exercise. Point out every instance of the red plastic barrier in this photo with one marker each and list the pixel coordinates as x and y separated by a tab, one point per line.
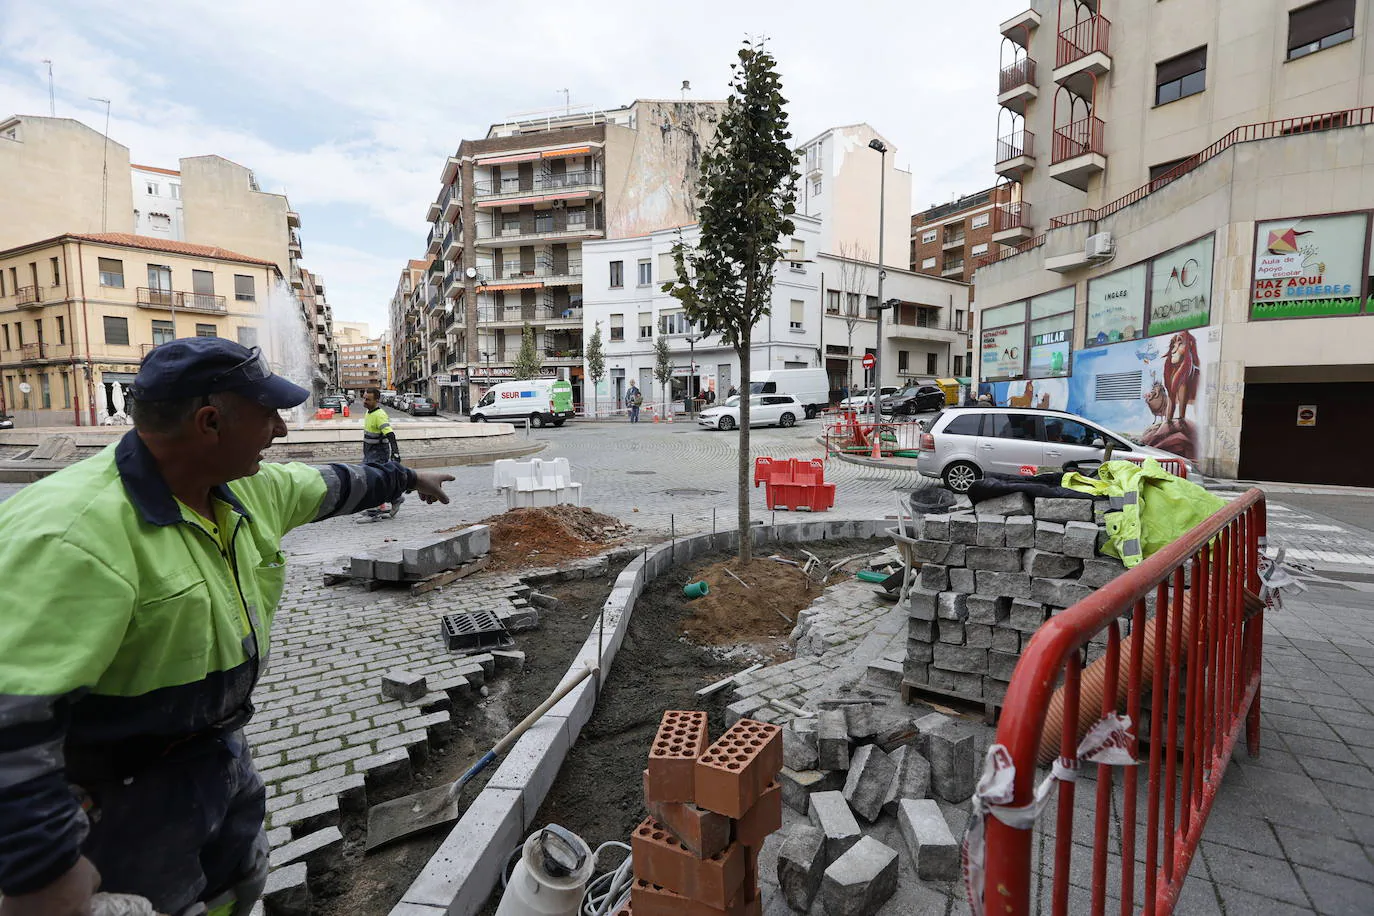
793	484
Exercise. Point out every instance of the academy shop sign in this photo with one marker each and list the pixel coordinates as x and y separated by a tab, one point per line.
1310	267
1181	288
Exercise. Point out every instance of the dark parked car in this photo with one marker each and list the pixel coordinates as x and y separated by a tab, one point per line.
423	406
915	399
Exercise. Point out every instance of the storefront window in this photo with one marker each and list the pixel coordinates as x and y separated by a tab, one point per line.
1310	267
1003	342
1116	306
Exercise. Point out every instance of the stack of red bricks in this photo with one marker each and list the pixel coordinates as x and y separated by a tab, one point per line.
710	808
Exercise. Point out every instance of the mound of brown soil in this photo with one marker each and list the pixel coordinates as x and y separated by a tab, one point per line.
760	609
548	535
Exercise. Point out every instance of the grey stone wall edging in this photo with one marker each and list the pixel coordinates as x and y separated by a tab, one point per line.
464	871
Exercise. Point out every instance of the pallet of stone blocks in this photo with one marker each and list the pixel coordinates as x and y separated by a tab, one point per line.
536	482
990	576
710	809
423	565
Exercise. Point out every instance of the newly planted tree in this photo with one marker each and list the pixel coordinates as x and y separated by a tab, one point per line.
854	287
663	369
529	360
596	365
749	189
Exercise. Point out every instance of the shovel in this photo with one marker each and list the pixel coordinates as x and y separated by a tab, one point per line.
411	814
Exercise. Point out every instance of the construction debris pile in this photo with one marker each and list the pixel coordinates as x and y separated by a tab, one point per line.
988	578
849	770
424	565
549	535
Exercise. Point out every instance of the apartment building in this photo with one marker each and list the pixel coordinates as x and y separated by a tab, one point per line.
157	202
848	185
505	245
412	297
948	239
79	312
321	348
362	358
1186	258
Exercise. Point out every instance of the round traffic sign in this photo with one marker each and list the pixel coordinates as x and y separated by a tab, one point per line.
25	387
869	361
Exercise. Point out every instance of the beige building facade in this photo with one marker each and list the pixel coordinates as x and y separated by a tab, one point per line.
79	312
843	179
1196	272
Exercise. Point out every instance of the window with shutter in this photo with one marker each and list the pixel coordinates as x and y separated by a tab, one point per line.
798	314
1181	76
1320	25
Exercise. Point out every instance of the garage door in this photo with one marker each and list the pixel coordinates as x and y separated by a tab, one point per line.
1329	443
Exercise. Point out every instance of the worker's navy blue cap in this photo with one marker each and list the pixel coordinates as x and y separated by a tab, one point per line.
192	367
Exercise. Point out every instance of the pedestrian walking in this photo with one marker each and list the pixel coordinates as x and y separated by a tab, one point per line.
379	447
150	574
732	392
635	400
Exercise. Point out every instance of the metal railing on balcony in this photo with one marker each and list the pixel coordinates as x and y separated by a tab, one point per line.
1015	215
175	299
1020	73
1077	138
1020	143
512	271
951	241
1081	39
541	184
950	267
29	295
450	195
556	353
32	352
493	230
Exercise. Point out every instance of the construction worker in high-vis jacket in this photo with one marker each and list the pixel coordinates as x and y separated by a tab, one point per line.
140	587
379	447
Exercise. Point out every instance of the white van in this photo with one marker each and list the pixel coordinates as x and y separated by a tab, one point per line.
810	386
534	401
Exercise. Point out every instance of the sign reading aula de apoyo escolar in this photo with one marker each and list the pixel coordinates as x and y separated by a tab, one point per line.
1309	266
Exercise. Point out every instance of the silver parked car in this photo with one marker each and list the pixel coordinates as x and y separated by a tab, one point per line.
964	443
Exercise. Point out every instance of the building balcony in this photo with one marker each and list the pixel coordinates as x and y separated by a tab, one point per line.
517	315
1016	85
1078	152
1082	55
557	357
1015	154
1019	27
453	245
1012	223
293	219
953	268
509	191
495	235
435	211
453	283
29	297
953	241
434	243
297	281
173	300
42	352
511	274
293	250
453	167
452	203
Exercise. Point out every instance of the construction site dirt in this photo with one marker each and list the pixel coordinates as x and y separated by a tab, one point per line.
673	647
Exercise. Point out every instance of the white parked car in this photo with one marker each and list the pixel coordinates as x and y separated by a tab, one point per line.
764	410
861	400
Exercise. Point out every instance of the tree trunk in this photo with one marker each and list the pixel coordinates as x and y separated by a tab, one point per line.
746	542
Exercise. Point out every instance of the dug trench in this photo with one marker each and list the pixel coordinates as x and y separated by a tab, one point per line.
672	648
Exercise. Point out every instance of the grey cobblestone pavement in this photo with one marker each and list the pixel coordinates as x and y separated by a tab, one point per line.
1293	831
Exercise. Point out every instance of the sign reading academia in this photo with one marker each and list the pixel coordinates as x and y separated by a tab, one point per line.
1310	266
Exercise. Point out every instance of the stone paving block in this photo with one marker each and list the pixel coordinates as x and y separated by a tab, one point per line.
963	528
286	891
912	779
870	777
951	748
960	658
921	603
799	749
404	685
1058	592
987	609
962	580
929	840
861	881
362	567
797	786
1098	571
801	865
952	606
1064	509
508	659
885	673
978	636
744	708
858	720
998	559
1049	537
1080	539
1004	585
830	813
949	631
956	556
1045	565
934	577
386	769
1001	665
832	737
962	684
994	690
934	527
1026	616
1020	531
930	551
308	817
991	531
1008	504
1005	639
321	851
920	630
920	651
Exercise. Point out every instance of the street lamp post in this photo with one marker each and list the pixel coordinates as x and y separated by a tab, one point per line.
692	371
876	144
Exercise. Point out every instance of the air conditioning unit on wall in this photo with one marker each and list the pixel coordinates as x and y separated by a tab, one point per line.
1100	245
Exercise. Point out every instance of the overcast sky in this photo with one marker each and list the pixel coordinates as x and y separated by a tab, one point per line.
351	107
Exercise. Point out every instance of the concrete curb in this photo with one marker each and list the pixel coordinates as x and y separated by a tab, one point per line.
465	870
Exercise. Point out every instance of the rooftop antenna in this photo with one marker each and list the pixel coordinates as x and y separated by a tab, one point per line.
52	99
105	169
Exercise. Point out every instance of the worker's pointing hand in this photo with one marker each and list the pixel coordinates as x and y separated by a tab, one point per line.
69	895
430	486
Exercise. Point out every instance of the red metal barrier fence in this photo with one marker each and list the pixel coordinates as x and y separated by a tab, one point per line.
1196	660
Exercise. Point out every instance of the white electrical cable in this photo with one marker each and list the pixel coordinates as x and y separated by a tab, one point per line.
607	892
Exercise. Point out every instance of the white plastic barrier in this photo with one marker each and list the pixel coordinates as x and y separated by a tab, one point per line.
536	482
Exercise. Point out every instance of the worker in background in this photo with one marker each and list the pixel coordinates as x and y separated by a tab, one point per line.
379	447
635	400
141	586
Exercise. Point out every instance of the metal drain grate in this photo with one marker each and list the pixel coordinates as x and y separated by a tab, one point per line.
474	631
